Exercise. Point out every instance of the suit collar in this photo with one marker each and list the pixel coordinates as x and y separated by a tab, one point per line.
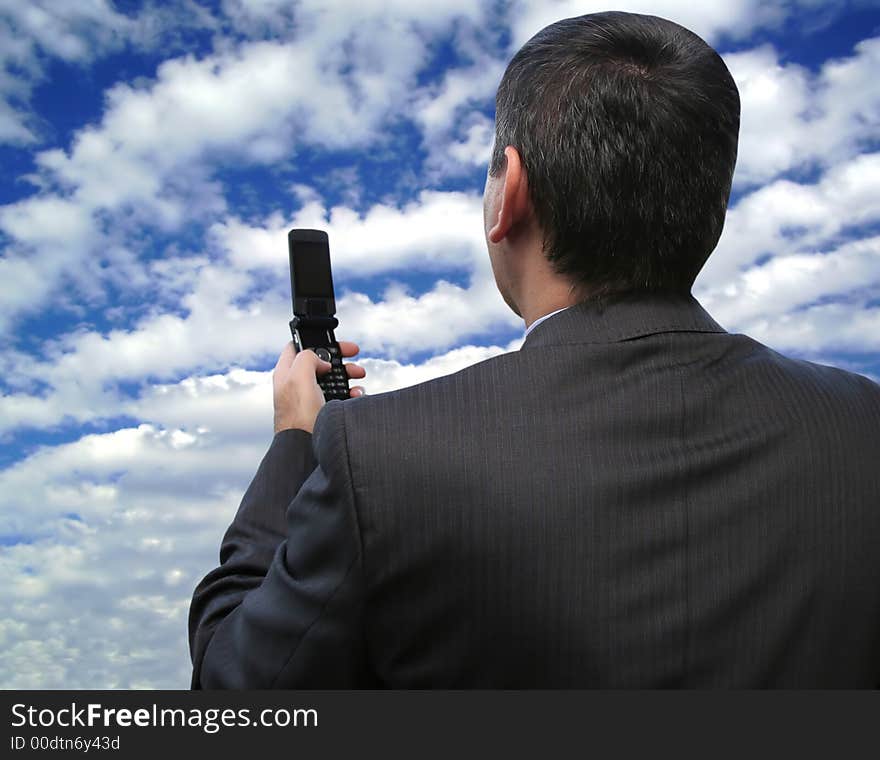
623	317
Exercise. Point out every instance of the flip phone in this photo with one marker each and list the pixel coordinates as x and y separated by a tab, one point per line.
314	306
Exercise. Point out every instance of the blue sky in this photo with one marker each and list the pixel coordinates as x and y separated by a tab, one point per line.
154	156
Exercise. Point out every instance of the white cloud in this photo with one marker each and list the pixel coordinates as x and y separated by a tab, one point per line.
217	334
52	235
794	119
120	527
457	135
771	94
385	375
476	147
350	67
81	368
401	324
779	289
787	217
254	17
344	14
435	230
64	234
14	126
238	404
70	31
229	316
436	108
785	272
252	104
735	18
106	476
34	32
104	604
824	328
330	85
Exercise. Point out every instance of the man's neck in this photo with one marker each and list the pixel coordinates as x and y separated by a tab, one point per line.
547	306
540	290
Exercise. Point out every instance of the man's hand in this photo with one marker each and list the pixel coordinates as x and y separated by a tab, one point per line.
298	397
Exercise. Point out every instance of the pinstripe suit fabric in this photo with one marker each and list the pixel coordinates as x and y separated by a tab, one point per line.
636	498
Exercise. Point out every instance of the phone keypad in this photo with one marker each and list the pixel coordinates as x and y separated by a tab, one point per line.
335	383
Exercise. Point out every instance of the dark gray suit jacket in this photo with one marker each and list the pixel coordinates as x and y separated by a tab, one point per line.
636	498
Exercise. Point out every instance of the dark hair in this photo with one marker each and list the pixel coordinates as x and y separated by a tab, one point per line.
627	128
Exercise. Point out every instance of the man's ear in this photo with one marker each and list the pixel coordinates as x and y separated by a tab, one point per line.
512	202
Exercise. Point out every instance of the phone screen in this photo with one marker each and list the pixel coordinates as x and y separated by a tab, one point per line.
311	275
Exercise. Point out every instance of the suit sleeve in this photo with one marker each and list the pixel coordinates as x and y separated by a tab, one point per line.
285	607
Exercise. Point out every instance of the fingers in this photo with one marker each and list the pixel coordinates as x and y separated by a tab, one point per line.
358	390
348	348
288	353
355	371
307	361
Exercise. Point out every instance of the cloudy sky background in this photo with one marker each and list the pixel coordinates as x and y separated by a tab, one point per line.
155	154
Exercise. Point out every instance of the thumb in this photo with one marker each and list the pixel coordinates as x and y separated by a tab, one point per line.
309	363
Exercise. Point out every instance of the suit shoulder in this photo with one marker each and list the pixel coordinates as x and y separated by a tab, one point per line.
830	373
464	383
823	378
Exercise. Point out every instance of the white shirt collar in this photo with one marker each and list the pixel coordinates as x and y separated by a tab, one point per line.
541	319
